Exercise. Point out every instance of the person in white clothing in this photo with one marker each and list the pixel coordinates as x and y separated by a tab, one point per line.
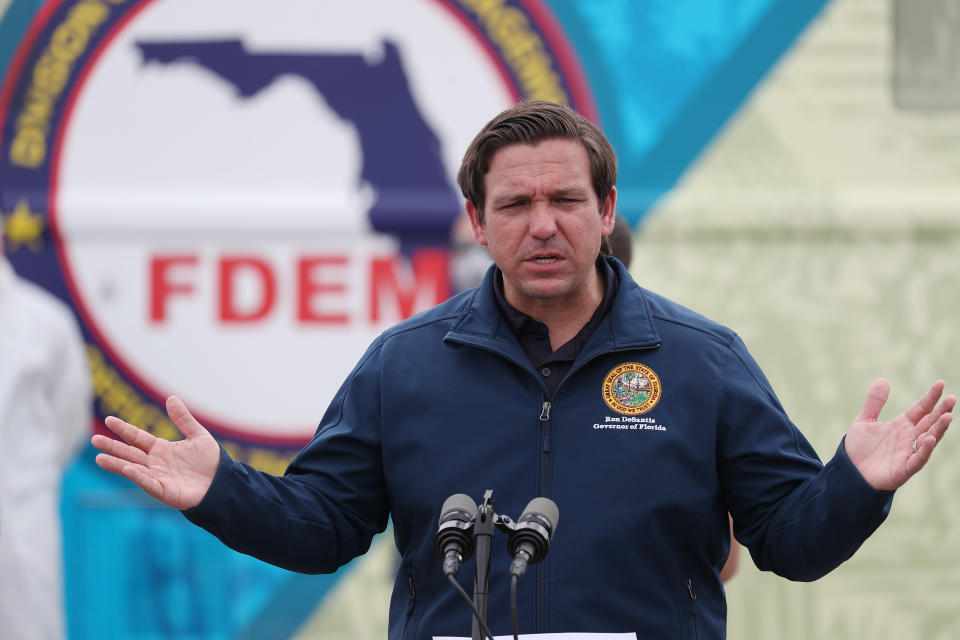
45	417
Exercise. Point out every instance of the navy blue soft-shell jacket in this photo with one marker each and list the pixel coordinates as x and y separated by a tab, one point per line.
447	402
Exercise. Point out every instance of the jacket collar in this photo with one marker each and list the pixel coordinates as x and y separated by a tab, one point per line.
628	325
481	324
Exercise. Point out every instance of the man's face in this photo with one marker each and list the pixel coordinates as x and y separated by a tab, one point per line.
543	224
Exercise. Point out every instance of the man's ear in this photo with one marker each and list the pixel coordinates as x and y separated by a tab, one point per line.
479	232
608	213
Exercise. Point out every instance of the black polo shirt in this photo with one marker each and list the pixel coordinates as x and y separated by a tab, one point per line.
535	338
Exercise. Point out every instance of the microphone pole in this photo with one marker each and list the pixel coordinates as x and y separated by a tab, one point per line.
483	536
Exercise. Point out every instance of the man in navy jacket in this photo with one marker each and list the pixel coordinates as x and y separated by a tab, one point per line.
558	376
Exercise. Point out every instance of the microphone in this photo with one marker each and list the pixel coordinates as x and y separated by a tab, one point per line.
454	539
529	541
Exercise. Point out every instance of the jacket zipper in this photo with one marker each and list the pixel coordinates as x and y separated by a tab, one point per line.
545	410
412	593
693	609
545	448
544	473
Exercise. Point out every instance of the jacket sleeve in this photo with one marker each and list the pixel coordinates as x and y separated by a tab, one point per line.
332	500
799	519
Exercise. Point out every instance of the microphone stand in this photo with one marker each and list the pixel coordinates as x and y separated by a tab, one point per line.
483	536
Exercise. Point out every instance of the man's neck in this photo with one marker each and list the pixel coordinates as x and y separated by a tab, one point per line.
565	318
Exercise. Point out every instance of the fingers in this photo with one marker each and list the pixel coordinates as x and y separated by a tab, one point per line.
184	420
929	439
924	405
119	449
927	442
133	472
110	463
935	433
924	450
127	460
876	398
130	434
945	407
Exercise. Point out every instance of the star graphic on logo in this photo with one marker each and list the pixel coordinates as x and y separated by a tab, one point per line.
23	227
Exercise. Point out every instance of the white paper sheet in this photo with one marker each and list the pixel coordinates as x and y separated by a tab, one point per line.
556	636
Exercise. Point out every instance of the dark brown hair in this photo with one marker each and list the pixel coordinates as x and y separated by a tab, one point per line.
529	123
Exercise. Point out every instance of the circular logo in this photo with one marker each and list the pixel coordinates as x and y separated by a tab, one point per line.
236	200
631	388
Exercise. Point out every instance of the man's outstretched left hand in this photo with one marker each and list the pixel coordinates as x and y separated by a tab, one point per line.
887	454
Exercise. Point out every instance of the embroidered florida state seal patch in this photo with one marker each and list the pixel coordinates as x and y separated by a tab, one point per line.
631	388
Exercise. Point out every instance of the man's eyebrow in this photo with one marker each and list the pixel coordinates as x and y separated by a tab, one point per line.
572	192
510	197
577	193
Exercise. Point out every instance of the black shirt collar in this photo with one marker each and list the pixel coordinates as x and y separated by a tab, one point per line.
534	336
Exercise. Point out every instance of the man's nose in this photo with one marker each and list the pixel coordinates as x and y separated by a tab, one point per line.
543	221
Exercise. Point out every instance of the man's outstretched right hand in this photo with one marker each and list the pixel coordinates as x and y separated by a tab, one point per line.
176	473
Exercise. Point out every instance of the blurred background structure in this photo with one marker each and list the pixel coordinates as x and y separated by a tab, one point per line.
45	407
234	199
